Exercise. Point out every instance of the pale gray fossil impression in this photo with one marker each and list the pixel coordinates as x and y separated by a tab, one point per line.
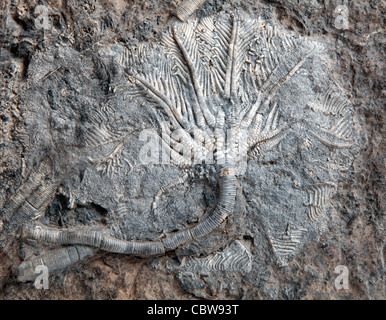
213	85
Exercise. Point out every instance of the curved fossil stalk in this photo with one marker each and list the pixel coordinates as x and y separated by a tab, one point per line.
98	239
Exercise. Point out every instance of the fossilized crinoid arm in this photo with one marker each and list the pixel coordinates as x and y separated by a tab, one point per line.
287	244
338	136
234	257
340	133
29	203
319	196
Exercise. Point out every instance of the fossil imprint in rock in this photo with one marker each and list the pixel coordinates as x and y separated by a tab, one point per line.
222	92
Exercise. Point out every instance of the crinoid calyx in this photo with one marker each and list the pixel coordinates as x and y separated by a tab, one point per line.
222	92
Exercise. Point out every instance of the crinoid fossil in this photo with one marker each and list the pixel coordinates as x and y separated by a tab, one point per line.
245	101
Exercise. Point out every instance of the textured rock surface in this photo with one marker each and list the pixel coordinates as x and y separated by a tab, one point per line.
53	83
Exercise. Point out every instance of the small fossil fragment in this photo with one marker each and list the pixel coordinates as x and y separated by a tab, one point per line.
235	257
287	244
187	7
319	196
54	260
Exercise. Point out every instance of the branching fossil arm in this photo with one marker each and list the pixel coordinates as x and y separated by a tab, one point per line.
230	69
270	92
270	135
251	113
332	138
268	144
202	108
174	116
181	137
329	139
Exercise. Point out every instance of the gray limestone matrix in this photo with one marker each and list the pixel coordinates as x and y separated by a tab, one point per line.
224	112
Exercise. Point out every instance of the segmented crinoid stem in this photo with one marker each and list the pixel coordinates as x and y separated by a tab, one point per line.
54	260
93	238
187	7
227	186
224	207
226	201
